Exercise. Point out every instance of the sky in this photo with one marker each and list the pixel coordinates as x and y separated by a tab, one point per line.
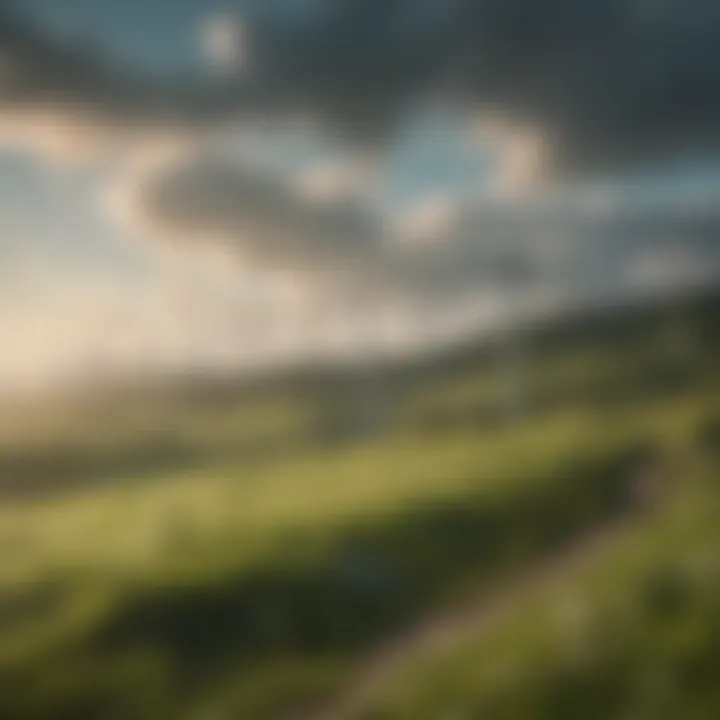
192	184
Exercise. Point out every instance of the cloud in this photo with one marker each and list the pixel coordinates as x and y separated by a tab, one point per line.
319	226
567	84
609	82
605	82
68	101
427	221
225	43
333	181
343	247
334	284
197	197
561	86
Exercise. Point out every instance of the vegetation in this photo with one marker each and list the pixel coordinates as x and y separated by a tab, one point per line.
636	635
219	551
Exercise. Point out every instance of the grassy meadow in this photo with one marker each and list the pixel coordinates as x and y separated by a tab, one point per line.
216	550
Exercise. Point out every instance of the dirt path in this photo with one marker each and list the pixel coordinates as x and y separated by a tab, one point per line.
442	632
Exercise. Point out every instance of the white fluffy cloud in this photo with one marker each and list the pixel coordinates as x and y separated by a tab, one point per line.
332	181
428	221
225	43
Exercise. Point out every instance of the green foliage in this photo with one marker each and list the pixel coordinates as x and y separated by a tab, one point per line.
175	553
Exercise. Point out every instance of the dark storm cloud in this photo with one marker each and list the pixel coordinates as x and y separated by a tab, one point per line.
360	65
265	218
611	80
607	81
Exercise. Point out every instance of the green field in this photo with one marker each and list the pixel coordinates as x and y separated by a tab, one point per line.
635	634
210	550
